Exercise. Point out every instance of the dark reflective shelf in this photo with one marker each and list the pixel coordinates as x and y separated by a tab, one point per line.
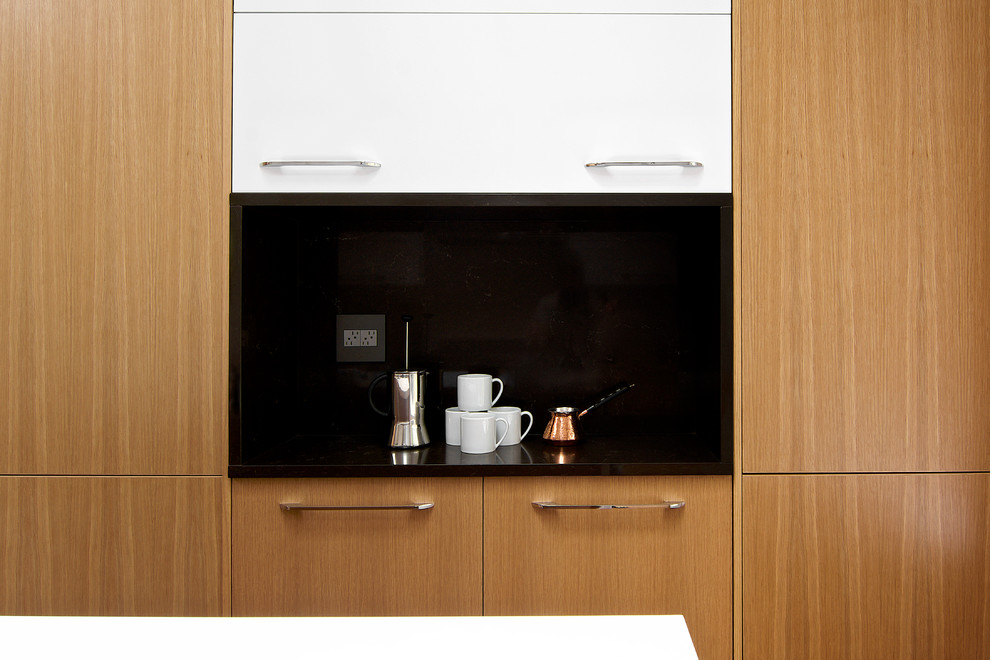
363	456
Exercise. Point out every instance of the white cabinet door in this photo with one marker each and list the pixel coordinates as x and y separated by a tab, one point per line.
481	102
490	6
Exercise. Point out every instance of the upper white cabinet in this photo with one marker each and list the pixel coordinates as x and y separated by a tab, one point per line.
481	102
491	6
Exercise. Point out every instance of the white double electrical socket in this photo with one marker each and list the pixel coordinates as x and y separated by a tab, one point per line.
360	338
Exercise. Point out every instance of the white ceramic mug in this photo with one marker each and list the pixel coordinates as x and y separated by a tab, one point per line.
478	431
453	425
513	417
474	392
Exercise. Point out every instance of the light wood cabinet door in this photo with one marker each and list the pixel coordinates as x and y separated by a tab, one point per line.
618	561
116	546
345	562
113	231
866	566
865	247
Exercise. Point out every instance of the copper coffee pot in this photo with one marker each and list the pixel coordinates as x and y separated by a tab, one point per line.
563	427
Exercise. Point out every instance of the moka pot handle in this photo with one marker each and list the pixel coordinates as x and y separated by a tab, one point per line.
371	398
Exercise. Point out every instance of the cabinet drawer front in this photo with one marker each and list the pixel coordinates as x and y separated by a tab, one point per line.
613	561
481	103
112	546
866	566
357	556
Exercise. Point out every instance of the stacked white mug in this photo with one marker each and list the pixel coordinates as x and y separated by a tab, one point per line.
474	423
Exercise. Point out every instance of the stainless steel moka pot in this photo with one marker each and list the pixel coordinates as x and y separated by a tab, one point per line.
408	404
408	394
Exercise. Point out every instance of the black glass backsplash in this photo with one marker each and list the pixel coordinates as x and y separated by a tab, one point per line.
562	303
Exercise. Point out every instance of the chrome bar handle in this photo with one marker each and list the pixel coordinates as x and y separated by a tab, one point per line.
646	163
319	163
674	504
294	506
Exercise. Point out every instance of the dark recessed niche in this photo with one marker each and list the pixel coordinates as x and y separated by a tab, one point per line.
563	299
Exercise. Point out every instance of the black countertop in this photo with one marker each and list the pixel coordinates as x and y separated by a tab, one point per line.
349	456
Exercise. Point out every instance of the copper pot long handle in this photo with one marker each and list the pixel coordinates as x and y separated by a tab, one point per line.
607	398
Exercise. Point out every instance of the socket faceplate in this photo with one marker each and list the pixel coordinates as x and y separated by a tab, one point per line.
360	338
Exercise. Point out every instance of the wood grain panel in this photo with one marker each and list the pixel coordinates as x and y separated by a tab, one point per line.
627	561
864	195
866	566
357	563
113	238
119	546
736	343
